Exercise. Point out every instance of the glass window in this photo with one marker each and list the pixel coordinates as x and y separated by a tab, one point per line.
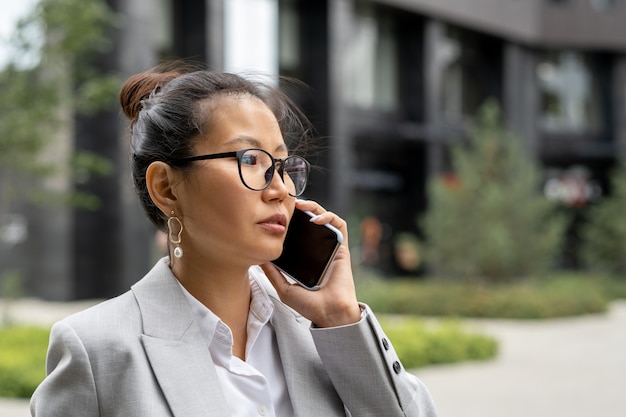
289	39
470	72
449	55
371	74
568	91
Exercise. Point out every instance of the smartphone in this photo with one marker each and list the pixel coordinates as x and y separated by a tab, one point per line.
308	250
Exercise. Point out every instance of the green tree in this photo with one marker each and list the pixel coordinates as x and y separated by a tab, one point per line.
603	243
46	83
488	221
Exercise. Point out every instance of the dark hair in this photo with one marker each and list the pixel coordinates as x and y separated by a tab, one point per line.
165	106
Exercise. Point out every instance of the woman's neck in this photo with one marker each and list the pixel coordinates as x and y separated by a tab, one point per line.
224	291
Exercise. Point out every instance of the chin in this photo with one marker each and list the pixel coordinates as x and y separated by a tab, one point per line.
275	254
267	255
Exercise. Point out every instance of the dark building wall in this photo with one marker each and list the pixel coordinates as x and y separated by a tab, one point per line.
97	235
189	22
311	67
113	247
44	259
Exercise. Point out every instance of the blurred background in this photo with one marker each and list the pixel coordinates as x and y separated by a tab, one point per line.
393	88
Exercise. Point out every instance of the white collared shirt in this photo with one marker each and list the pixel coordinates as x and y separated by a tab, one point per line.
257	385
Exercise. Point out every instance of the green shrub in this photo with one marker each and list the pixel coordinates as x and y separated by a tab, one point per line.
419	344
603	242
614	287
488	219
557	297
23	350
22	360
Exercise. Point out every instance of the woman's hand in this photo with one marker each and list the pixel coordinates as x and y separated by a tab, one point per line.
335	303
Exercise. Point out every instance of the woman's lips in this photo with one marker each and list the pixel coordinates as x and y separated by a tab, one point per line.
276	223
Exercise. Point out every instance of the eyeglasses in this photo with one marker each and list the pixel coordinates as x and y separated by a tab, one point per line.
257	167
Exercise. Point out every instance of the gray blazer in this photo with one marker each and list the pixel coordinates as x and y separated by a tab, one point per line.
142	354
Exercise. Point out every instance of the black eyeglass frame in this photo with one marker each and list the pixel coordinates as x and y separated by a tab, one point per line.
238	154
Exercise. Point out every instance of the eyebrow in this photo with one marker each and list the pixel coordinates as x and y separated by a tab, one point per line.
253	142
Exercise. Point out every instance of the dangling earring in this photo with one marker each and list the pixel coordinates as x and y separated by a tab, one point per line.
175	237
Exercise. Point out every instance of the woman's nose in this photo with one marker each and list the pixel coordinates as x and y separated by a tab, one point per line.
278	182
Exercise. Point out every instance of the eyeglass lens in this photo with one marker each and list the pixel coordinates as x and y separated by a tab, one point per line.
257	170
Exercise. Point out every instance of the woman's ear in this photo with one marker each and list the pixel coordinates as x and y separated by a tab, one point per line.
160	181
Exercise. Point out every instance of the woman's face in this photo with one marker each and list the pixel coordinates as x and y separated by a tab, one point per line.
225	222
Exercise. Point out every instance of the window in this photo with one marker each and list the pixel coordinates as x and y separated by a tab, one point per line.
289	39
471	68
371	73
569	92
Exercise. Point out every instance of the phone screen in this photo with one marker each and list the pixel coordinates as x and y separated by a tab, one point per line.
308	250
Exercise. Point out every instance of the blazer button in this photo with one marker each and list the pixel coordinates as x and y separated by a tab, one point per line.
397	368
385	343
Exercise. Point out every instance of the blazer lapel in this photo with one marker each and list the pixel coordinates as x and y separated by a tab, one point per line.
175	347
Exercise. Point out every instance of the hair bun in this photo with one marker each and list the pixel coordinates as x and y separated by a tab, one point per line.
139	87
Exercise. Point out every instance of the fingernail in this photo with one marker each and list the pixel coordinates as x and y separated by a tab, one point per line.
312	219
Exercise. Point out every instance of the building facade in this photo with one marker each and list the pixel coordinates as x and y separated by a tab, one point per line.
391	84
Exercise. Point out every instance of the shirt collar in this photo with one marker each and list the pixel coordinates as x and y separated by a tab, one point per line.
211	326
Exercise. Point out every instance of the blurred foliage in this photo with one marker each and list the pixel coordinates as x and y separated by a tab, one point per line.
10	285
23	349
10	290
418	343
614	287
488	220
558	296
49	79
603	243
22	360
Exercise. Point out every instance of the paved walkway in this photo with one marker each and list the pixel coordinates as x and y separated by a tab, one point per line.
567	367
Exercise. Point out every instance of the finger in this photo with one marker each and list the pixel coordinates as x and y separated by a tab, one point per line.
310	205
323	218
331	218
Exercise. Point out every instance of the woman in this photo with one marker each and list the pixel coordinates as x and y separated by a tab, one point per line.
207	332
